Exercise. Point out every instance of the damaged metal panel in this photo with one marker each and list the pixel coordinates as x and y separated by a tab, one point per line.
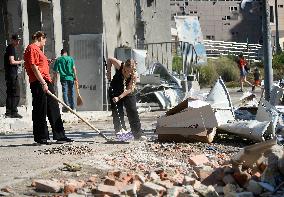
267	112
220	101
253	129
168	98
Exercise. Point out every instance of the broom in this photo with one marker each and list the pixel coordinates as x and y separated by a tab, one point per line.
79	98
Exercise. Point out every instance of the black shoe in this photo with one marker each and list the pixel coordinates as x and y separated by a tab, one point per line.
64	140
253	88
16	115
240	91
8	115
43	142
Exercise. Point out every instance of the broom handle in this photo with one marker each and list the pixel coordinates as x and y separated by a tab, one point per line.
98	131
77	88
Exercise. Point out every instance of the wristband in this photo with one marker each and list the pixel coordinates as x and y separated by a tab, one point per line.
43	83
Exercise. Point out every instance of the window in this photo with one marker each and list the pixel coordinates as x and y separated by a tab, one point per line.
228	17
233	8
271	14
280	6
210	37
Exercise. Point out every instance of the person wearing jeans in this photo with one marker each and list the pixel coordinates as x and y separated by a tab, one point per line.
65	66
68	93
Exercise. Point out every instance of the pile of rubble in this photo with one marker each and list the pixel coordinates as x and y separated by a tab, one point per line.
68	149
182	170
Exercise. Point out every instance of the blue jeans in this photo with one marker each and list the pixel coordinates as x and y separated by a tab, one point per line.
68	93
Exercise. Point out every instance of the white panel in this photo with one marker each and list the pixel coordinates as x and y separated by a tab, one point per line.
86	49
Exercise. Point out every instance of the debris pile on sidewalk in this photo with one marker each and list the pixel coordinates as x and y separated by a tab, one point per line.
192	170
199	120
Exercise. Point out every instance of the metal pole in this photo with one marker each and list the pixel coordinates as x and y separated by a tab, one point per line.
278	48
267	50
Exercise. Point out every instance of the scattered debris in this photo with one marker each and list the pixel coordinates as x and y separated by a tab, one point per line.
68	149
71	167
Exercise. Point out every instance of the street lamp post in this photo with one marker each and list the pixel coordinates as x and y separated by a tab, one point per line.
267	50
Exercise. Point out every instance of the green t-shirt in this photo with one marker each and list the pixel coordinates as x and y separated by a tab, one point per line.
64	65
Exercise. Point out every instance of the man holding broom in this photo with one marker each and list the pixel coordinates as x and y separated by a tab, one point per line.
68	77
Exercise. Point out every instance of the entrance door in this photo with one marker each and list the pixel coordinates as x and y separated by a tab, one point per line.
86	49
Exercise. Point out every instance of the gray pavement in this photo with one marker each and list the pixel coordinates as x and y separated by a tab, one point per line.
20	159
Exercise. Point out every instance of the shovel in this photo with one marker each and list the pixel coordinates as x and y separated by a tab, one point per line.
67	107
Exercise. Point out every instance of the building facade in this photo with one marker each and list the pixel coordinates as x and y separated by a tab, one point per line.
120	22
227	20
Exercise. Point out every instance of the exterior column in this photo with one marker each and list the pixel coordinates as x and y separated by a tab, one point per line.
25	40
57	34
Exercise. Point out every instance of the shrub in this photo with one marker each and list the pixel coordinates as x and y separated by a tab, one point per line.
177	64
278	61
227	68
207	75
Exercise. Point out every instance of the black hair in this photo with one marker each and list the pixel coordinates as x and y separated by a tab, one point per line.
63	51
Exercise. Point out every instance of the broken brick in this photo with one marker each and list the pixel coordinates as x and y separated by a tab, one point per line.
69	188
114	174
102	190
198	160
203	172
109	181
7	189
166	183
242	178
48	186
178	179
151	188
153	176
93	179
130	190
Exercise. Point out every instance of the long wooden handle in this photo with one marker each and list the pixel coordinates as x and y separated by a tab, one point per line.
72	111
77	88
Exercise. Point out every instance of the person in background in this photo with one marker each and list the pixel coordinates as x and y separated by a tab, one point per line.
65	66
256	76
121	94
11	63
37	68
242	63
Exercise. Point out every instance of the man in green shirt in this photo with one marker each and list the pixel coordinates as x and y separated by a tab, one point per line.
65	66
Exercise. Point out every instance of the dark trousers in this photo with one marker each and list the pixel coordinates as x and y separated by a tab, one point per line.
44	105
129	102
13	94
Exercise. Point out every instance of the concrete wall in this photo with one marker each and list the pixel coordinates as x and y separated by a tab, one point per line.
157	19
81	17
280	21
119	24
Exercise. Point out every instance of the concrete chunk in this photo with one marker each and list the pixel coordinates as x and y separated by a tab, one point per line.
48	186
151	188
